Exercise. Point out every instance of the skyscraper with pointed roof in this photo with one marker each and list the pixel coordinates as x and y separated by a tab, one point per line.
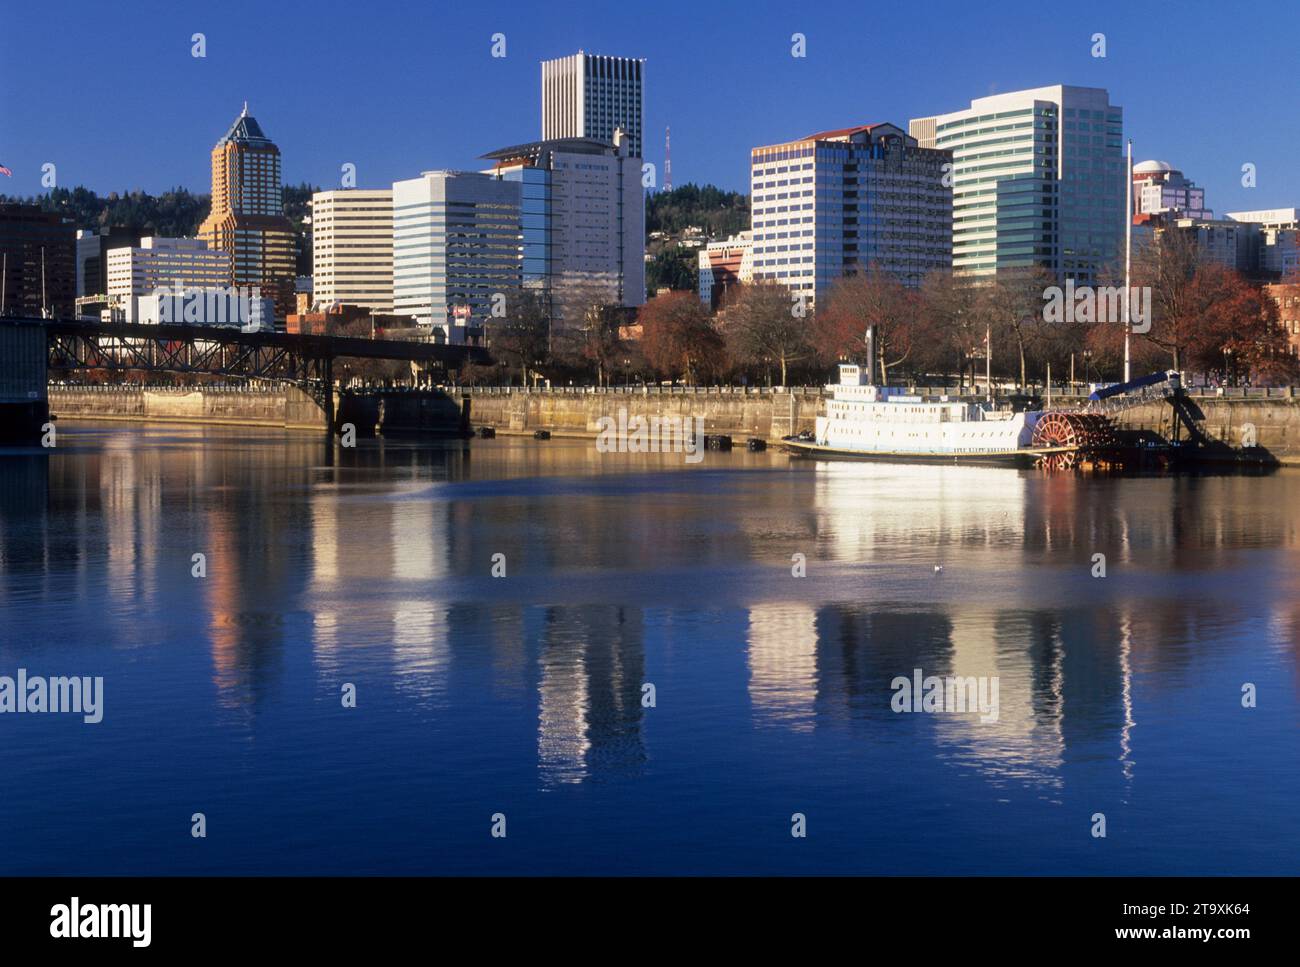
247	217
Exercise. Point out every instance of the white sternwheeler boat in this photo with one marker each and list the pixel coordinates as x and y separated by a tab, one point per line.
863	421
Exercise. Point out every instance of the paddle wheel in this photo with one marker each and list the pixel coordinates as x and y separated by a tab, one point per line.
1080	434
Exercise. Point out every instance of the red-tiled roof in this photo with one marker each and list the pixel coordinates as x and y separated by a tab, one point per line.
840	132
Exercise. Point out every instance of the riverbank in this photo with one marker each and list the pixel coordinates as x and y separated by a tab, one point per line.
1271	423
285	407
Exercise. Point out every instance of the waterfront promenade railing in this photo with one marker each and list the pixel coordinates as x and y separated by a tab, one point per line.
1062	392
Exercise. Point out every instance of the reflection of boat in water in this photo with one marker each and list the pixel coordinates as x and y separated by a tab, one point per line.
878	422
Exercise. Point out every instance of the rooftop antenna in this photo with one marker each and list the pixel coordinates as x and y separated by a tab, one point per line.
668	159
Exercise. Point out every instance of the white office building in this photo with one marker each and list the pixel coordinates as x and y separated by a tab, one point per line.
352	248
842	202
1282	218
165	263
1038	180
457	243
583	221
590	96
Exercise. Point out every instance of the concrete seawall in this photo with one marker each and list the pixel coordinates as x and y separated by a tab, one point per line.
1273	422
772	414
286	407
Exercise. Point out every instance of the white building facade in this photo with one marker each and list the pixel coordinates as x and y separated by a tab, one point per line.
457	244
1038	180
158	262
352	248
840	202
583	219
590	96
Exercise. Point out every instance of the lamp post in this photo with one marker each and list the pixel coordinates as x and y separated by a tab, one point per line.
988	359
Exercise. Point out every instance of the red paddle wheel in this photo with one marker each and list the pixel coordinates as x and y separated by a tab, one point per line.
1077	434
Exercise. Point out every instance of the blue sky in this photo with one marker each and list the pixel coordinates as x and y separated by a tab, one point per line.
110	94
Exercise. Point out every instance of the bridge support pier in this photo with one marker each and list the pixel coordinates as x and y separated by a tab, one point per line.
24	407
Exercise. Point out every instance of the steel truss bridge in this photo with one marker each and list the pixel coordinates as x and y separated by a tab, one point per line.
305	361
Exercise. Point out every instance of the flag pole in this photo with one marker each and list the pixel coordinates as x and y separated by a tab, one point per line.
1128	260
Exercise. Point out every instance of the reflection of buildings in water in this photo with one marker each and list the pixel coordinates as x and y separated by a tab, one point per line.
377	563
562	741
860	650
865	508
245	638
1023	653
1064	681
117	500
25	513
783	664
591	668
421	650
248	532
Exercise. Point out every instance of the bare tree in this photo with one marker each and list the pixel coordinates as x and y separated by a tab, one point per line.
1167	266
522	337
876	300
1013	301
763	322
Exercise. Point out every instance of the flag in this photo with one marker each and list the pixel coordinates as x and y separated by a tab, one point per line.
6	172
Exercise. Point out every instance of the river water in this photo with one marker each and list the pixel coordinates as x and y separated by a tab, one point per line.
651	687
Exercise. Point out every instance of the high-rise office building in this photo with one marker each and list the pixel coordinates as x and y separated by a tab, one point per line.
583	221
839	202
1160	189
1038	180
457	243
247	217
38	274
352	248
590	96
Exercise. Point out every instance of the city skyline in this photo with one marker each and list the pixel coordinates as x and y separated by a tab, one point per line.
914	71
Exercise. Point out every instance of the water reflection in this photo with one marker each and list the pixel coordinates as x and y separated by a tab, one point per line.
591	669
376	562
783	664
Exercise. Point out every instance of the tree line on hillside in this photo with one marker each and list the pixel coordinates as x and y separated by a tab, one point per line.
176	213
719	213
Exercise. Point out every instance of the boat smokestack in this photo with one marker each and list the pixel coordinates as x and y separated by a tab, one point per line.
871	356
